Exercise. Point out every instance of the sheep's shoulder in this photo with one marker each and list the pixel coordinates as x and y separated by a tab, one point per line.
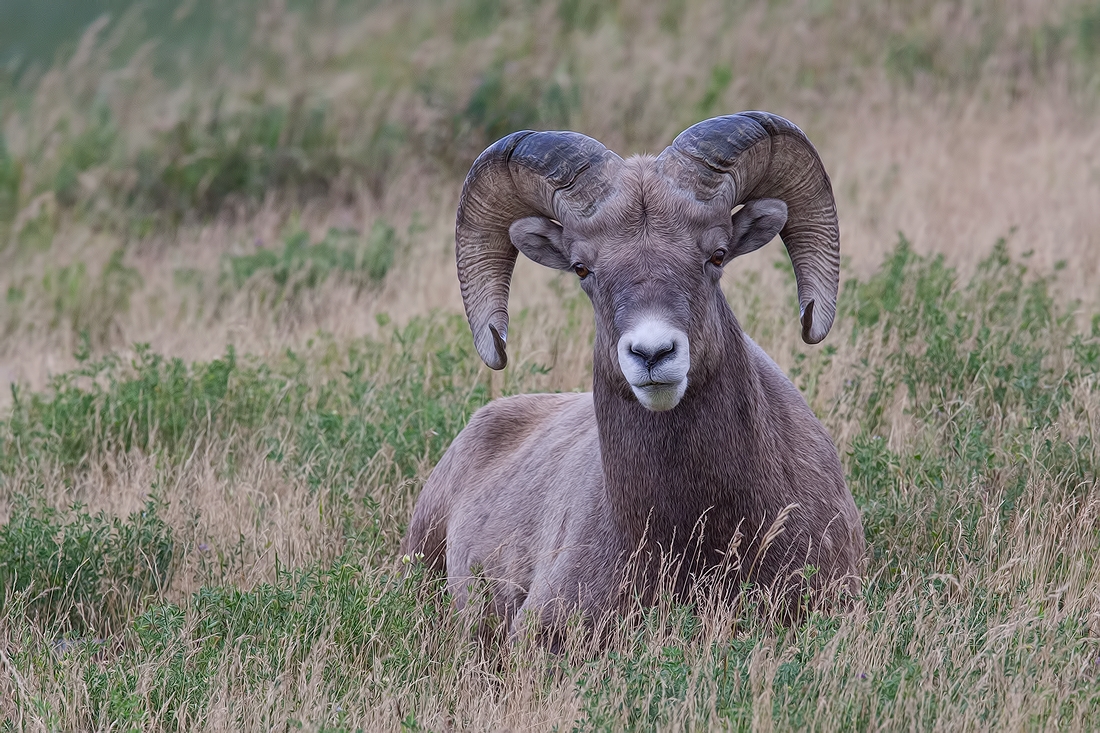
522	453
520	486
509	470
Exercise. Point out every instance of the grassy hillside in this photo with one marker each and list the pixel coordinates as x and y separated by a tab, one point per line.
231	349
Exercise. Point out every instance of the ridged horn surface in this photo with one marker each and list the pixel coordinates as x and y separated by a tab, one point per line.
561	175
754	155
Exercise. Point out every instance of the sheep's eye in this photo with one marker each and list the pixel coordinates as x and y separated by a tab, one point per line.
718	257
581	270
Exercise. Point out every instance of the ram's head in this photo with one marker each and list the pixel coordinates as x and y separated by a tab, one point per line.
648	238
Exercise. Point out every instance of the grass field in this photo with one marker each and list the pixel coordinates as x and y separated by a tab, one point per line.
232	350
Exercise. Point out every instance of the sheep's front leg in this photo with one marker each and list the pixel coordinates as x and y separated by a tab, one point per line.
572	595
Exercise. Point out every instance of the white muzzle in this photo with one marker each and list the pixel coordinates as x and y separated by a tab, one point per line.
655	359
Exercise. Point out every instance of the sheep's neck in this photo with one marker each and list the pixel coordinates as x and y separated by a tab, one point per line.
696	466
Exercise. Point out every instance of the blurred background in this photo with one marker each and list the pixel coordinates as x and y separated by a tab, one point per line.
193	174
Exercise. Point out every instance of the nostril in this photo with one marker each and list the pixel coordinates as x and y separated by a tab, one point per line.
652	356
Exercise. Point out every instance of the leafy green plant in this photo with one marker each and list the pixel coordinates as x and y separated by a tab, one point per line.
165	407
906	57
582	15
382	156
154	404
995	342
77	573
11	175
367	619
501	104
90	147
301	265
986	372
89	305
476	18
199	166
717	83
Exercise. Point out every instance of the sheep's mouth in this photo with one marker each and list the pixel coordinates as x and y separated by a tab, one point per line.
659	396
654	356
650	382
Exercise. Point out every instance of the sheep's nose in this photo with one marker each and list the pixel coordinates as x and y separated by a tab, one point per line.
653	354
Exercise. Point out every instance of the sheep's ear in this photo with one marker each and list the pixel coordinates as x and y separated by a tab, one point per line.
756	224
541	240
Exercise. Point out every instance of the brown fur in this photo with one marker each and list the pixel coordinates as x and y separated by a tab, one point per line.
558	500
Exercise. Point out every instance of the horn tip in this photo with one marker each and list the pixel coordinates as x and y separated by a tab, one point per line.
810	334
491	346
815	331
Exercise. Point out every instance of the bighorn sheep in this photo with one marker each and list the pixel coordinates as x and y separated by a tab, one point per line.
692	442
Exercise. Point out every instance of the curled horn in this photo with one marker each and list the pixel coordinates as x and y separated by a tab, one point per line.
559	175
754	155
